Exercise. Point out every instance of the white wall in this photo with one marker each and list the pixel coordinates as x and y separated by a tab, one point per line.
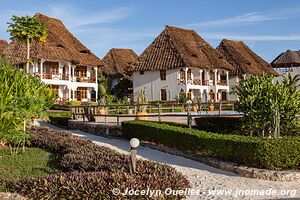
295	71
151	83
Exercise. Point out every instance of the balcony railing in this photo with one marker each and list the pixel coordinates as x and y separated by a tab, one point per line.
85	79
202	82
222	82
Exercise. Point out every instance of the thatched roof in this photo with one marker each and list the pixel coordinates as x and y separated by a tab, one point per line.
3	45
287	59
60	45
243	59
118	62
177	47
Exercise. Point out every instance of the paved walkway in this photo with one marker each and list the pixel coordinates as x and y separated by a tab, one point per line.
201	176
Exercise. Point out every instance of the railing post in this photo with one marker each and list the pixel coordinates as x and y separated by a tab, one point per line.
172	108
134	111
118	111
220	108
189	116
159	119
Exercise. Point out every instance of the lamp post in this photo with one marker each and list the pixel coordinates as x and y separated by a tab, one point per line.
134	143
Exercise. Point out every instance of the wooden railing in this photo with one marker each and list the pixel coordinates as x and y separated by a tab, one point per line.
157	110
85	79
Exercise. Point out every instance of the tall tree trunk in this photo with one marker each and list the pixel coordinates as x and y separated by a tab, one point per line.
28	56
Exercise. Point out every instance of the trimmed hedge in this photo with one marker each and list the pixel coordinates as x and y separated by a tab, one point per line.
59	118
282	153
92	171
219	124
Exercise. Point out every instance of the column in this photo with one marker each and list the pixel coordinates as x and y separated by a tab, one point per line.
41	68
207	77
227	78
73	72
96	74
201	71
216	96
185	74
216	77
69	71
96	89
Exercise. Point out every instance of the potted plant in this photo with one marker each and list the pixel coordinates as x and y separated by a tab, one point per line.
102	103
142	108
127	102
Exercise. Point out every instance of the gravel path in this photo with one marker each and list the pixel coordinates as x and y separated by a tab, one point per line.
205	178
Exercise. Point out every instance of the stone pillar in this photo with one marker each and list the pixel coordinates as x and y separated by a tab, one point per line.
73	91
96	74
201	71
69	71
227	78
216	77
185	74
216	96
69	95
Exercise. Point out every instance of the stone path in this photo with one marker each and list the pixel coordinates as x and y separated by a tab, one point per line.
202	177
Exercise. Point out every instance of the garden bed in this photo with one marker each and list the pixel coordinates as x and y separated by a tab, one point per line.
91	171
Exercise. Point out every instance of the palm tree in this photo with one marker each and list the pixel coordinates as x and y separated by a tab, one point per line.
27	29
104	85
291	82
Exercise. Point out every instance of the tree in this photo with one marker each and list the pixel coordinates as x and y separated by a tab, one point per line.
268	108
123	88
27	29
22	98
104	86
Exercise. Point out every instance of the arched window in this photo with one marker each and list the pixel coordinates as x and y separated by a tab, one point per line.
224	96
211	95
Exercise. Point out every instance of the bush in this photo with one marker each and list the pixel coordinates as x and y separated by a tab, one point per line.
72	103
59	118
279	153
218	124
98	170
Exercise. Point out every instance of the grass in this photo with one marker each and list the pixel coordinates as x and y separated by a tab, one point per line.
34	162
59	113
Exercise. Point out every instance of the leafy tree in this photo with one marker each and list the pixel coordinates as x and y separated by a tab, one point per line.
123	88
265	105
104	86
22	98
27	29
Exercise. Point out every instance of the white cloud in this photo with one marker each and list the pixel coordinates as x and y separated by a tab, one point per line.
218	36
249	18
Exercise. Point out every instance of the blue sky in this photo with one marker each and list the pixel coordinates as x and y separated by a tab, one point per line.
268	27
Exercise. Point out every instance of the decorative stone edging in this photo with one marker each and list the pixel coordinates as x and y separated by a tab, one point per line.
249	172
115	131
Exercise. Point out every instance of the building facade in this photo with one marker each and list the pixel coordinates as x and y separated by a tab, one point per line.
178	62
62	62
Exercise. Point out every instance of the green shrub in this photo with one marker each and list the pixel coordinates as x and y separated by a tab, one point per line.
72	103
59	118
280	153
218	124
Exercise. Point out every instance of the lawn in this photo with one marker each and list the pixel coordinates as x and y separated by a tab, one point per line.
34	162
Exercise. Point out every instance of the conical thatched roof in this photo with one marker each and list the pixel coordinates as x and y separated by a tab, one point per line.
3	45
177	47
118	62
287	59
243	59
60	45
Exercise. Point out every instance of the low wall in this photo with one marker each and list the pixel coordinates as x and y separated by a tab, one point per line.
96	128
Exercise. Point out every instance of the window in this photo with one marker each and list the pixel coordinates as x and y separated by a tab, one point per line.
163	75
81	93
224	96
141	72
54	89
189	74
182	74
49	69
80	71
163	94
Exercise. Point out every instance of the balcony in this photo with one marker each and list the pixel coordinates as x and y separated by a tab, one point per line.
85	79
202	82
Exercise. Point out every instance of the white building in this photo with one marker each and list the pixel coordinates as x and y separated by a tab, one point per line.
244	61
62	62
180	61
287	63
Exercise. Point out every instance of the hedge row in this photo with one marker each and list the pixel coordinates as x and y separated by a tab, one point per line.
282	153
92	171
218	124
